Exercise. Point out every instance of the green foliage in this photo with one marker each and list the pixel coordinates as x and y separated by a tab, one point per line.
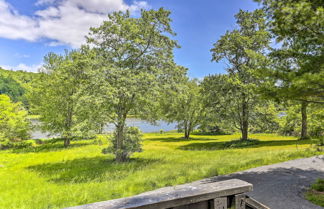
16	84
234	96
208	126
99	140
132	143
298	64
6	144
134	65
11	88
319	185
51	176
14	125
22	77
319	143
265	117
315	194
184	106
224	108
290	121
297	70
57	96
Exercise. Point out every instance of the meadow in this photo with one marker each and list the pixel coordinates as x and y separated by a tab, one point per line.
51	176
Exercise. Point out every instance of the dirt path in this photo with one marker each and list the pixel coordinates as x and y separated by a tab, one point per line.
281	186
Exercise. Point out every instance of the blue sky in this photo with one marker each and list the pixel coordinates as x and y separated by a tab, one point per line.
29	29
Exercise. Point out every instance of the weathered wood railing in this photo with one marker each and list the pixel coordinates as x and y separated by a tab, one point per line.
204	195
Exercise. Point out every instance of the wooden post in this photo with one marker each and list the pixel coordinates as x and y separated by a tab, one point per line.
220	203
240	201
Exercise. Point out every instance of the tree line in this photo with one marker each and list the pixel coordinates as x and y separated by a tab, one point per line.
127	67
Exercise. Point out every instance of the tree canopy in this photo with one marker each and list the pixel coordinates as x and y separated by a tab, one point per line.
244	50
136	64
184	106
57	95
298	67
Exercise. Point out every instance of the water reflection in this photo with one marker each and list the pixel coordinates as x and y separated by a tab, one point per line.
144	126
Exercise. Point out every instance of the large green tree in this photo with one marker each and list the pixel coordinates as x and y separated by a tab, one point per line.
298	27
184	106
244	50
223	106
136	56
57	96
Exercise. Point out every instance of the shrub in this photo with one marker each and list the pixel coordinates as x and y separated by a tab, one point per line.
14	125
6	144
99	140
210	129
132	142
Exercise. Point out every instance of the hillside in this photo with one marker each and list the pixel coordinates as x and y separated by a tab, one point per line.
16	83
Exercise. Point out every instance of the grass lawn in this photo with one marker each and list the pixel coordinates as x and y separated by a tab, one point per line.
316	193
53	177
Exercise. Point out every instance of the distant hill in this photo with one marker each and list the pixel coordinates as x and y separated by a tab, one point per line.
16	83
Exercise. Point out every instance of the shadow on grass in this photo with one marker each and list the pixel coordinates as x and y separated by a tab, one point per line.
50	147
96	169
222	145
179	139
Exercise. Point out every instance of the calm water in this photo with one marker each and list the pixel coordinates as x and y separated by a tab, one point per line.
144	126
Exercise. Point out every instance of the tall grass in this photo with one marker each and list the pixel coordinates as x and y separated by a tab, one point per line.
50	176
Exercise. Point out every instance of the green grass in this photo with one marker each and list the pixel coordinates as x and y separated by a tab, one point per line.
316	193
50	176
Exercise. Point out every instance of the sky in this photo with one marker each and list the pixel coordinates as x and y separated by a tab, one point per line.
29	29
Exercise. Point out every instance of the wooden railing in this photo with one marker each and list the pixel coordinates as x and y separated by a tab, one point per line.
203	195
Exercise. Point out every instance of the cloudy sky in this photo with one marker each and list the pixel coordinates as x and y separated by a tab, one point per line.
29	29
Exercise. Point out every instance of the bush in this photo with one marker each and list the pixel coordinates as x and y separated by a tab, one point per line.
99	139
132	142
39	141
6	144
208	129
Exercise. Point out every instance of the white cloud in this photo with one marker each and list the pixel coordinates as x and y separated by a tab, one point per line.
23	67
16	26
44	2
62	21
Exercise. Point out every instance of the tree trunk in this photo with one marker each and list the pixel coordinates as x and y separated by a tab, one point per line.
120	152
304	134
245	121
187	133
67	142
101	128
186	130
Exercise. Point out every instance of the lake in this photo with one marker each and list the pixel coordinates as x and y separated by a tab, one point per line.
143	125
